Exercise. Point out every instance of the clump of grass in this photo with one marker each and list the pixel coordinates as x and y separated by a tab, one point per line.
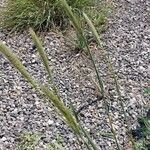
28	141
147	90
31	140
142	133
38	14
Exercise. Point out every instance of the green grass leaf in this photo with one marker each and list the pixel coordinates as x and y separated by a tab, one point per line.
17	64
71	121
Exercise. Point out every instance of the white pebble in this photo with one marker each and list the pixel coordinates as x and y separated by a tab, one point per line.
50	122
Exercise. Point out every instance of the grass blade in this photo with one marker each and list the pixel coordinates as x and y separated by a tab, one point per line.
17	64
62	108
41	52
71	16
94	146
76	24
43	58
92	28
98	41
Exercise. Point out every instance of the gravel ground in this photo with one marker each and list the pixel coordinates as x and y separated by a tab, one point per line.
127	40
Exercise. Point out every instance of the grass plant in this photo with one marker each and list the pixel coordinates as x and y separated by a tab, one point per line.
28	141
142	133
39	14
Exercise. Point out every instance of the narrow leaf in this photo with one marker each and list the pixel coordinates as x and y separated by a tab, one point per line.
92	28
62	108
44	58
41	52
71	16
17	64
